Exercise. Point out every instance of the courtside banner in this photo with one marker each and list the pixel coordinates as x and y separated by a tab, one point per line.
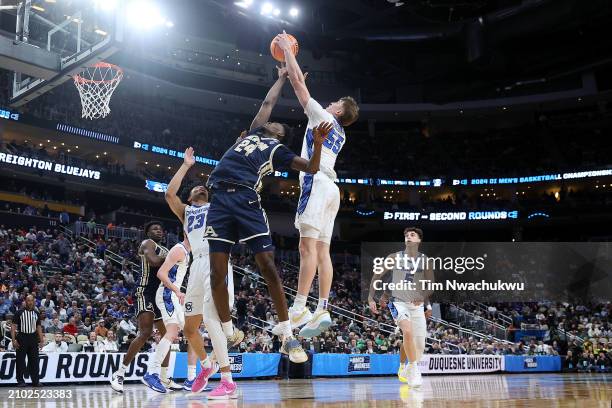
460	364
79	367
526	364
387	364
245	365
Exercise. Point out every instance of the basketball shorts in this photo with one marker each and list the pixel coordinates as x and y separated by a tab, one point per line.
144	301
198	296
170	308
416	314
317	208
236	215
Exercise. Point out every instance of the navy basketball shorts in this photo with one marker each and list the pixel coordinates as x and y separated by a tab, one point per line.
144	298
235	215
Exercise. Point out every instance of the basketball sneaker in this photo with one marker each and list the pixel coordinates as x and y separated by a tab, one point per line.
292	347
225	390
201	380
235	339
154	382
171	385
297	318
400	373
413	375
321	320
187	386
116	382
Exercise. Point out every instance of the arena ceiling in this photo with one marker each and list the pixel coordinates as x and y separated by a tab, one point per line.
449	47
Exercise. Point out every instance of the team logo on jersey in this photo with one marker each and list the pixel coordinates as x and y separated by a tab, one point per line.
210	232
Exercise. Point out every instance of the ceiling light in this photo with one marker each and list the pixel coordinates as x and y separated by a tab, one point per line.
244	3
267	8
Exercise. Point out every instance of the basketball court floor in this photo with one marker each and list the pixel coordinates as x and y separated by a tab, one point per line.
518	390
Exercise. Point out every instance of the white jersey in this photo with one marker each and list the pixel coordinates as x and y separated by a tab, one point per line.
331	147
177	272
194	226
410	273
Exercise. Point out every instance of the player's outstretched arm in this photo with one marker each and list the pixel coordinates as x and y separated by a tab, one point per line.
147	248
265	110
311	166
296	77
172	198
175	255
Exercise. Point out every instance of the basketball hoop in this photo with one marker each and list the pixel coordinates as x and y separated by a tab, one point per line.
96	85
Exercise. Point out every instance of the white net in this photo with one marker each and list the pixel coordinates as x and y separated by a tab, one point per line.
96	85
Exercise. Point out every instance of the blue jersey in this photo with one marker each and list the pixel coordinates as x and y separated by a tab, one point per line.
250	159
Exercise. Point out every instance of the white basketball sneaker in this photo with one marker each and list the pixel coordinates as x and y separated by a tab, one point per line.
413	375
116	382
321	320
297	318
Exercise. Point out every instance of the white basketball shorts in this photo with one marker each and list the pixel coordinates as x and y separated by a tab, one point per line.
169	306
198	296
416	315
318	207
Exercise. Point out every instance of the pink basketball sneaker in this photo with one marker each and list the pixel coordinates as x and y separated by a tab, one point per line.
225	390
202	379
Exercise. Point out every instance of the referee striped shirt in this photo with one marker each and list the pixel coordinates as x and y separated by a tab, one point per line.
27	320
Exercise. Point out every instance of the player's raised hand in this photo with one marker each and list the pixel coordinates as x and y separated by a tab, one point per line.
283	41
282	70
321	131
189	158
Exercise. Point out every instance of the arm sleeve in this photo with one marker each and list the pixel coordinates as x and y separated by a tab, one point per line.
282	157
315	113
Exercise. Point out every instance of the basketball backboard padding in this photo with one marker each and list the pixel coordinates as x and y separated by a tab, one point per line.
28	59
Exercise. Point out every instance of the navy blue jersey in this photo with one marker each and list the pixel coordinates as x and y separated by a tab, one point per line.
250	159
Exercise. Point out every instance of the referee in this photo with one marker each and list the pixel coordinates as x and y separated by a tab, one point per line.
25	341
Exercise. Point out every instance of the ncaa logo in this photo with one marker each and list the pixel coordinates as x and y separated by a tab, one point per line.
188	307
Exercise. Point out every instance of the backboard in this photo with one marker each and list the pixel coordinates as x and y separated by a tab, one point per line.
44	43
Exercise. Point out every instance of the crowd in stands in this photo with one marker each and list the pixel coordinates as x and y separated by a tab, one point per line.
87	302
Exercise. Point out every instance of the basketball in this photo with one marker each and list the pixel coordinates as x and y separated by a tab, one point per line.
278	54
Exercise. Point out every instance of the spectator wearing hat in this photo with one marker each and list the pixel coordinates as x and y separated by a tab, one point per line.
101	329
